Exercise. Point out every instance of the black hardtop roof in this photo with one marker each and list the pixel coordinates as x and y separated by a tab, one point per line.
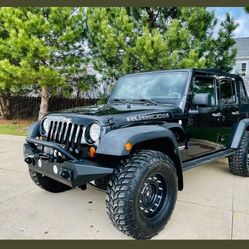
215	71
200	70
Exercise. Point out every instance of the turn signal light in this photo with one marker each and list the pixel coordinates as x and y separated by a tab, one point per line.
128	146
92	151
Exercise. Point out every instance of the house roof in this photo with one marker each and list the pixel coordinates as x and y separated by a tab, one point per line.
242	46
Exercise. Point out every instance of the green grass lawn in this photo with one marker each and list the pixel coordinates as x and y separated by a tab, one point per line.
10	128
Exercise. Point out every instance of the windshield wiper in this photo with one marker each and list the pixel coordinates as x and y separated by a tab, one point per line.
118	101
146	101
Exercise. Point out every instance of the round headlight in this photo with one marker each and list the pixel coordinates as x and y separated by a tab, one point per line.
45	125
94	132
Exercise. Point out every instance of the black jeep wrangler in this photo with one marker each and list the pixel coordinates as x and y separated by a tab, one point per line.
155	126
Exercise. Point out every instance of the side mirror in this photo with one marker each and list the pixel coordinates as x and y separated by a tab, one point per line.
202	99
193	112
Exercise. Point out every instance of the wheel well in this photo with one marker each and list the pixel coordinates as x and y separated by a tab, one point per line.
166	146
161	144
178	133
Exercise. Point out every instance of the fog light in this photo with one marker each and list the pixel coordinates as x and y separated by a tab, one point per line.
92	152
55	169
39	163
55	153
66	174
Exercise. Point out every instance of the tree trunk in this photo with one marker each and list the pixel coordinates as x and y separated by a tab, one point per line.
151	18
44	102
5	107
77	95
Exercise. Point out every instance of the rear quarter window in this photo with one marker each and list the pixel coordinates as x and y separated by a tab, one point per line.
243	93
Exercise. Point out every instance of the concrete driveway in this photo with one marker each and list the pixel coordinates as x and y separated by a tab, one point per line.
213	205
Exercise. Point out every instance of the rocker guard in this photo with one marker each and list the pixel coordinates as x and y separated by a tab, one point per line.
72	172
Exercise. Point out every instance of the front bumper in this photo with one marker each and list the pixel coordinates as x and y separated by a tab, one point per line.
71	171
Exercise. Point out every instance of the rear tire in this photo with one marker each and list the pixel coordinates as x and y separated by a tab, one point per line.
239	162
47	183
141	194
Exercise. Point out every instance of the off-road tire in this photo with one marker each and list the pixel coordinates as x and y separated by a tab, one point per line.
47	183
124	191
239	162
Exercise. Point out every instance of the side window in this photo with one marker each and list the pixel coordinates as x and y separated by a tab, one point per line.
243	69
228	92
205	84
243	94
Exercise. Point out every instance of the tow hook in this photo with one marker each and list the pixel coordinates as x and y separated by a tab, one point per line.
112	123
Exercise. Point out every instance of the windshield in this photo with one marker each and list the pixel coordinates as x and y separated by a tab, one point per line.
162	87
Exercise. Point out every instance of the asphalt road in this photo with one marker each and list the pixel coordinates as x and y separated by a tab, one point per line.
213	205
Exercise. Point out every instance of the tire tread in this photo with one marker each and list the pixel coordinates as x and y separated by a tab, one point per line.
47	183
238	162
120	188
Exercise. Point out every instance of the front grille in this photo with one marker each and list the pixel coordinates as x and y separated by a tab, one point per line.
69	134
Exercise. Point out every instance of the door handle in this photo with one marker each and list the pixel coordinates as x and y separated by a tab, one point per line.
217	114
236	113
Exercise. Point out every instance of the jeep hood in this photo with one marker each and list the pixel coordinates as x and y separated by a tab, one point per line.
121	114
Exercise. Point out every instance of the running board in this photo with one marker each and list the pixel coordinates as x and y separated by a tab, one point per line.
212	157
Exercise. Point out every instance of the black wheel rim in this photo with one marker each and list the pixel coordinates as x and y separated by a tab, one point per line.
152	195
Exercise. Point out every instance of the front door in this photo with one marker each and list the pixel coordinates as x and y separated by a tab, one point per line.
204	121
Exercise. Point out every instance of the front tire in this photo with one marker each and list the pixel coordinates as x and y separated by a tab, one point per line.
141	194
239	162
47	183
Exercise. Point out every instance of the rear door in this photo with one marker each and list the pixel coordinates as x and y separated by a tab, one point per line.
229	107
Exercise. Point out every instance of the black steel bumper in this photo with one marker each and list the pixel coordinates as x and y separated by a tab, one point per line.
70	171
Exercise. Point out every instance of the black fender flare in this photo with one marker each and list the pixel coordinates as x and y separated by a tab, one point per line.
113	142
239	131
176	126
33	130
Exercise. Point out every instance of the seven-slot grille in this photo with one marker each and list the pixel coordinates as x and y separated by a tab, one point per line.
69	134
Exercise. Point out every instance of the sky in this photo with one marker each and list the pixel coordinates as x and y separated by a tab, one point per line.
239	15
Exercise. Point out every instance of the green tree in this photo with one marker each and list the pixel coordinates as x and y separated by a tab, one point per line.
222	54
157	17
247	9
125	40
40	46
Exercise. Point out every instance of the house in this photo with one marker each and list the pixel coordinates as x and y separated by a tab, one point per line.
242	60
242	57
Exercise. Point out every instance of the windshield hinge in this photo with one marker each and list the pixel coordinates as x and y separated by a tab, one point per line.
111	122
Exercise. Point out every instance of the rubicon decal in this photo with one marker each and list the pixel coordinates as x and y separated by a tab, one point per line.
147	117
